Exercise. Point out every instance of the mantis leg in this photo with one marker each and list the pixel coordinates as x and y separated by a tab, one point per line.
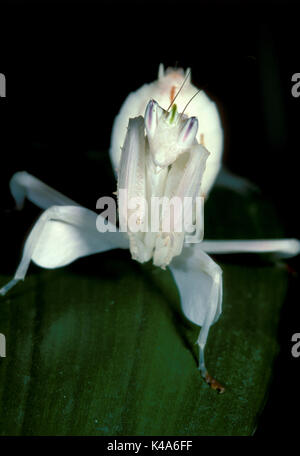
236	183
279	248
36	242
24	185
213	308
63	233
200	285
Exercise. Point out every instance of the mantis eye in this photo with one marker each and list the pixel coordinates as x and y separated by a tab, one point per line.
152	115
188	132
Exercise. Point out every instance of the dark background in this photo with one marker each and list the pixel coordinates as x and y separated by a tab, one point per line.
69	67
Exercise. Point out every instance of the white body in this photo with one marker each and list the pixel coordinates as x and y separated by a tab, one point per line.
66	231
210	131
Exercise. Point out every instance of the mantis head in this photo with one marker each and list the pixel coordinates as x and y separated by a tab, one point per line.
169	133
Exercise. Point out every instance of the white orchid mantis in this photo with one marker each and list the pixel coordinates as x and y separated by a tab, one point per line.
157	150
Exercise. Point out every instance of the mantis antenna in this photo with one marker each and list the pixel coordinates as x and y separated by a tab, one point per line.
190	101
188	74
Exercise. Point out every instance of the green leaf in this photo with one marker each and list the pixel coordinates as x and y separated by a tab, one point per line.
101	347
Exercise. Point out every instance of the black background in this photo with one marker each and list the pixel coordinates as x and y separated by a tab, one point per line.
70	65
